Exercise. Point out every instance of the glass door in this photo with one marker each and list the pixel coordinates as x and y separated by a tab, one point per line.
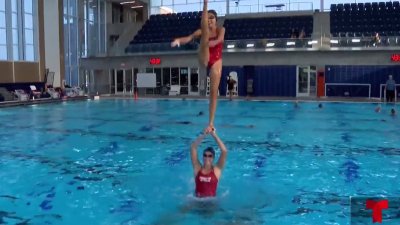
306	81
194	81
313	81
184	80
128	81
119	81
123	81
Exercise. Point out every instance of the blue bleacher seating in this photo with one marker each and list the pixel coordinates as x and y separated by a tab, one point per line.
267	27
157	33
364	18
160	30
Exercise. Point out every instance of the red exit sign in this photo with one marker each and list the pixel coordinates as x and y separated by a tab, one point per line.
155	61
395	58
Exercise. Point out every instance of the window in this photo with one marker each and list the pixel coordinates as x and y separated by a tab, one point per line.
71	42
18	30
166	76
15	32
3	38
174	76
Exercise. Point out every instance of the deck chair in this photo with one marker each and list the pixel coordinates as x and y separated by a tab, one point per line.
234	77
175	90
70	92
53	93
78	91
35	92
6	94
21	95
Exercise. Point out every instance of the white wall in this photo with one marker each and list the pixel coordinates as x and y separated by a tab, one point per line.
52	39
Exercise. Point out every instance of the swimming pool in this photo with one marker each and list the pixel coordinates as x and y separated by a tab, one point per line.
127	162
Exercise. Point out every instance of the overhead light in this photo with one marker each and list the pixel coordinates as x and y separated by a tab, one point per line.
230	46
250	45
270	44
313	42
334	41
130	2
290	43
355	40
138	6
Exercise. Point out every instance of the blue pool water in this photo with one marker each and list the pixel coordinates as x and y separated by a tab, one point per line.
127	162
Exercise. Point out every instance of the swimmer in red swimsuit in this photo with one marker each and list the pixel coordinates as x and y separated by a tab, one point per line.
210	53
207	175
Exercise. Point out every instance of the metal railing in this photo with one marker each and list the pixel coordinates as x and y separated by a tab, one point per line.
223	7
365	42
384	92
282	43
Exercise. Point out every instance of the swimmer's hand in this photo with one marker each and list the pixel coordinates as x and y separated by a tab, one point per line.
175	43
210	129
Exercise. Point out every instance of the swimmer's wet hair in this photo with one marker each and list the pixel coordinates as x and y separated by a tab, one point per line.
212	11
210	149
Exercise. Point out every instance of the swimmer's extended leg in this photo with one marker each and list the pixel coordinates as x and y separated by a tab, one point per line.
204	54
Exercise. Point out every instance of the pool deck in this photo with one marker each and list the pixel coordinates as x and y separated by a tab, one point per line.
300	99
40	101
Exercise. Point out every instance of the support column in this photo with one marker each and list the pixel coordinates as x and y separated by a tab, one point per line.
53	39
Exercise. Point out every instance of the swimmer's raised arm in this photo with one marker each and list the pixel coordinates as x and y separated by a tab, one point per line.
193	153
184	40
224	151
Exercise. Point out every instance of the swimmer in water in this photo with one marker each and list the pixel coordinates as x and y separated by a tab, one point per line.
207	174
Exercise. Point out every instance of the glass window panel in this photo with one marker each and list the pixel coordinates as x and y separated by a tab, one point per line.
73	41
167	2
29	53
174	76
15	36
166	73
2	19
14	5
156	3
93	39
74	76
3	52
14	20
72	8
28	6
16	52
93	12
157	71
66	44
3	38
67	75
102	23
28	21
177	2
65	7
29	36
2	5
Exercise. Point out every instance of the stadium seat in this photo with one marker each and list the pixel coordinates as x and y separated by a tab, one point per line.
355	19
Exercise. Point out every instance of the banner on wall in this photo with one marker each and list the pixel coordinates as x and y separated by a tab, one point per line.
146	80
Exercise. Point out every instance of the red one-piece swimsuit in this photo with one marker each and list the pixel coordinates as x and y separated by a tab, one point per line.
206	184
